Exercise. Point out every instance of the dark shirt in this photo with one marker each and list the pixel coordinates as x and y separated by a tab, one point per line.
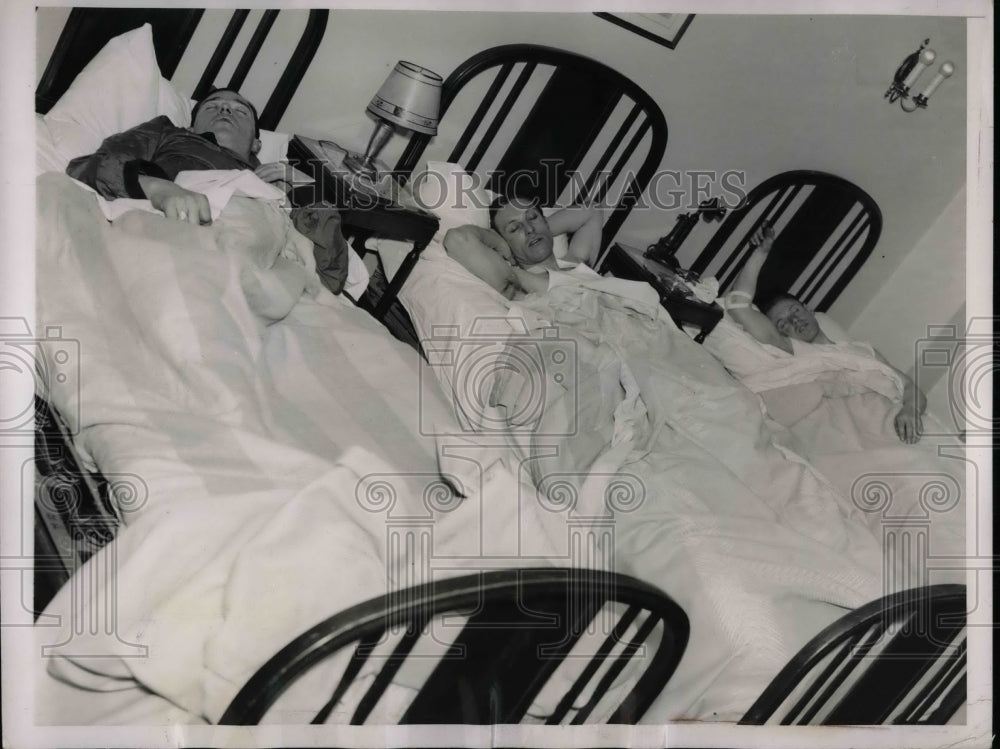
156	148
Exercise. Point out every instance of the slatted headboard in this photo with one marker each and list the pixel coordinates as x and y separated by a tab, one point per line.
586	131
87	30
825	228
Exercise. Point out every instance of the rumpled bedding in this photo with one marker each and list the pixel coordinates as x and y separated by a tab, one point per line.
842	421
651	434
835	404
247	457
256	458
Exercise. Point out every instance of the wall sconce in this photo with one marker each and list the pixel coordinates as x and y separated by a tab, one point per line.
908	73
409	99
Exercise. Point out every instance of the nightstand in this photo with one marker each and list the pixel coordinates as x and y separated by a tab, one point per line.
682	306
388	211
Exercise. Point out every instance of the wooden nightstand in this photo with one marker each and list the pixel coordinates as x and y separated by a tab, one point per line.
682	306
389	212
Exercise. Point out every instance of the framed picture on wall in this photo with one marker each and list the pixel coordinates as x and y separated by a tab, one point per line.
662	28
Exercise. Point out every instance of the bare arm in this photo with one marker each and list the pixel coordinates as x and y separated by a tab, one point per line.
175	201
755	322
482	252
462	236
585	226
908	423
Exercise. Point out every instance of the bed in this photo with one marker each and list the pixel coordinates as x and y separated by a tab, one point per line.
262	451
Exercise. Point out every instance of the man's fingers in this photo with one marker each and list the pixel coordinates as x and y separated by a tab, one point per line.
204	211
276	172
176	209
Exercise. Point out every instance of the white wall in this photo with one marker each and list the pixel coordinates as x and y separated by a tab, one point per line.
762	94
927	288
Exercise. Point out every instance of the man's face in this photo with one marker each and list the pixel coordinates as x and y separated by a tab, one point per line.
526	231
794	320
228	116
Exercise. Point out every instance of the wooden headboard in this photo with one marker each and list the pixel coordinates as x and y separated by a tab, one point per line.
87	30
825	229
587	126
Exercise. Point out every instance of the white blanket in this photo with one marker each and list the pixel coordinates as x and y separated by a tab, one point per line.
243	455
835	404
256	453
757	546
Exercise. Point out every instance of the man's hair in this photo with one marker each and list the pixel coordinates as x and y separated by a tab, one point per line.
782	296
253	109
501	201
498	202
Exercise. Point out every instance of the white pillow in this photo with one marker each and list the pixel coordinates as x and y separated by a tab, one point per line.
831	328
47	158
743	355
120	88
273	146
452	194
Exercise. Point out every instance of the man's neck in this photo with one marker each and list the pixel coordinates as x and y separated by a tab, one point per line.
210	137
548	264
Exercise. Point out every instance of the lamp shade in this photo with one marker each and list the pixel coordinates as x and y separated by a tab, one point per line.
409	98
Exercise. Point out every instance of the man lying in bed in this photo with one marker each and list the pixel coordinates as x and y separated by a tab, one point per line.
516	254
787	324
144	161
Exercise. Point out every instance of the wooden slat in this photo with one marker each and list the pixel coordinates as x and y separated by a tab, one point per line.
501	115
358	659
207	81
480	113
295	70
619	136
592	666
253	47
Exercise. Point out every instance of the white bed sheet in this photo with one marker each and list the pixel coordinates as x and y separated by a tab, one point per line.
266	500
757	545
251	452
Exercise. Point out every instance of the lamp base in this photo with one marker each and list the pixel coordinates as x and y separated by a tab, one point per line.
367	175
359	166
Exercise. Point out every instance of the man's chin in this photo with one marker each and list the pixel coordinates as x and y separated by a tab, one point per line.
537	254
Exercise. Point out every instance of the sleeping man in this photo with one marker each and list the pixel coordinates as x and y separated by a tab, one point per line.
787	324
144	161
516	254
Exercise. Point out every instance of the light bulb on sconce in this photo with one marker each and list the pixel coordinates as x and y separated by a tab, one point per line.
946	70
907	74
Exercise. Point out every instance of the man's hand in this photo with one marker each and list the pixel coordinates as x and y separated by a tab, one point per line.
175	201
908	425
763	238
277	174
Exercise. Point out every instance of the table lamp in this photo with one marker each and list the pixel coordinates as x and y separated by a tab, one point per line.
409	99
